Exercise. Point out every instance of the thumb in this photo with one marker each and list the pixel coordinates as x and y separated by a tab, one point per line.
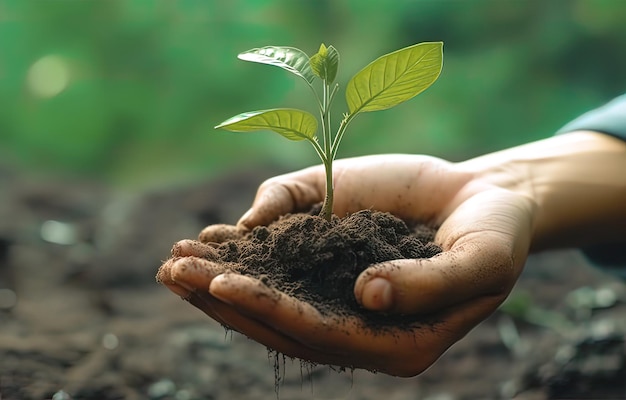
426	285
279	196
270	203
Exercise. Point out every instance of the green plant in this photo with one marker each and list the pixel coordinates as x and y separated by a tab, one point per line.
386	82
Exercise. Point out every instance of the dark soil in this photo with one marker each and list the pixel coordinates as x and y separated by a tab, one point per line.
81	316
318	261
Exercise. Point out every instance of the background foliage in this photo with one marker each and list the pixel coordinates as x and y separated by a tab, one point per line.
128	91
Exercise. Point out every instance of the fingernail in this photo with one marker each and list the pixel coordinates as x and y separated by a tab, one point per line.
377	295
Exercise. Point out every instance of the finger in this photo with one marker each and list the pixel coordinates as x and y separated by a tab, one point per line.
337	340
261	301
195	273
346	341
427	285
186	277
207	304
190	278
262	333
164	277
164	274
486	241
297	191
300	320
220	233
187	248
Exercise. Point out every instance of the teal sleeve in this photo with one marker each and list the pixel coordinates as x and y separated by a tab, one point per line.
611	120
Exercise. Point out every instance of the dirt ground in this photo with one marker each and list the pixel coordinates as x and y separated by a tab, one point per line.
81	316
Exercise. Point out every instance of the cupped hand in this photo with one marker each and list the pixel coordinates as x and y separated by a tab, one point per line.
485	227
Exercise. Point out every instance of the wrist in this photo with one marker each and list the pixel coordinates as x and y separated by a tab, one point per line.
577	182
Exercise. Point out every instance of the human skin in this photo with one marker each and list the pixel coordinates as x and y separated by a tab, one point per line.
492	211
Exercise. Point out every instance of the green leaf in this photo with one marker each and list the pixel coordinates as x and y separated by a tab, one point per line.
288	58
325	63
395	77
288	122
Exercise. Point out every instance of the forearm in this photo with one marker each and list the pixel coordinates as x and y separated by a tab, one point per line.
576	180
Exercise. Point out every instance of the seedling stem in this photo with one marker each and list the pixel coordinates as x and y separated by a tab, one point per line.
386	82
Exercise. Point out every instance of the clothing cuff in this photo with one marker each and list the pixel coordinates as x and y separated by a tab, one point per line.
609	119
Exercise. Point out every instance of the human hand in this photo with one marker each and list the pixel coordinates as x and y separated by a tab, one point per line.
485	233
568	190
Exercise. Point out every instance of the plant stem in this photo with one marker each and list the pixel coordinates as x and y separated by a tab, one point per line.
342	129
327	207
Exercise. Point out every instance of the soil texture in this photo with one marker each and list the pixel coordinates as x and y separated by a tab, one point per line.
317	261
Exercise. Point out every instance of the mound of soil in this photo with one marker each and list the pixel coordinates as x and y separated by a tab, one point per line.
318	261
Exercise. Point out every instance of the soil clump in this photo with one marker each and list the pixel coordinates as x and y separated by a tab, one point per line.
318	261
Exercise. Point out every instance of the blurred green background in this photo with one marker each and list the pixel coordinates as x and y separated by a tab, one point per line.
128	91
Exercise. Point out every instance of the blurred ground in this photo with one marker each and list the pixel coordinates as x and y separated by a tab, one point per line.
81	316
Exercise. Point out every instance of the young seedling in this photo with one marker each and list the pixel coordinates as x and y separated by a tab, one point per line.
386	82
